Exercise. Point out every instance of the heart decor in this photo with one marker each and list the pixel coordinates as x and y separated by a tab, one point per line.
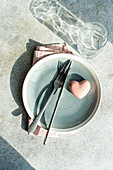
79	89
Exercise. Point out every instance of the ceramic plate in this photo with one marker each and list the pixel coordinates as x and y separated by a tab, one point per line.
72	112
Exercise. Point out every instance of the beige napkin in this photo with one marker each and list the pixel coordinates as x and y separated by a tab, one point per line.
39	53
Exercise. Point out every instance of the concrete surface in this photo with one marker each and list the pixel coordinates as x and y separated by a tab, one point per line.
91	148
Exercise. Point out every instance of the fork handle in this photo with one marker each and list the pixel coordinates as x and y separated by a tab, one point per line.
34	124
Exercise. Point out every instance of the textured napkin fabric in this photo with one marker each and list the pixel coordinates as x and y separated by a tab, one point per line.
44	51
39	53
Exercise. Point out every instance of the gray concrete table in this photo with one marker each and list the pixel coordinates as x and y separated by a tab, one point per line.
91	148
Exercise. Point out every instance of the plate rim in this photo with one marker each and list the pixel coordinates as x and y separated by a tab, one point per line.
68	56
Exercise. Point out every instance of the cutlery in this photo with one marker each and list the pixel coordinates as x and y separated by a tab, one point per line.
57	83
57	103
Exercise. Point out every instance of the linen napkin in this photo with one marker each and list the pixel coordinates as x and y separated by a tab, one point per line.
39	53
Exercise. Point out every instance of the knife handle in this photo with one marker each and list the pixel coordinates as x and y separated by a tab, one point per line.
34	124
53	115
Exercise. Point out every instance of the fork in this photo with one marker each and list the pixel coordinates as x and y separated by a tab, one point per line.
57	103
58	82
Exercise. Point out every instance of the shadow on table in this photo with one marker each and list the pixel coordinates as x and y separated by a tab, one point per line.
17	76
65	18
58	19
11	159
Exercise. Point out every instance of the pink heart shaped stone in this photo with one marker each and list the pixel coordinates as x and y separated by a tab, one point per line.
79	89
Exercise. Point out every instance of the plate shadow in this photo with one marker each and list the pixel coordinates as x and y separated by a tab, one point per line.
17	76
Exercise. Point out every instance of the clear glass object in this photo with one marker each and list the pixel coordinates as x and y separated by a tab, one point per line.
88	38
92	37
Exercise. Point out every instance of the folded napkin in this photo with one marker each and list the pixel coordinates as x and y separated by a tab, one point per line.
39	53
